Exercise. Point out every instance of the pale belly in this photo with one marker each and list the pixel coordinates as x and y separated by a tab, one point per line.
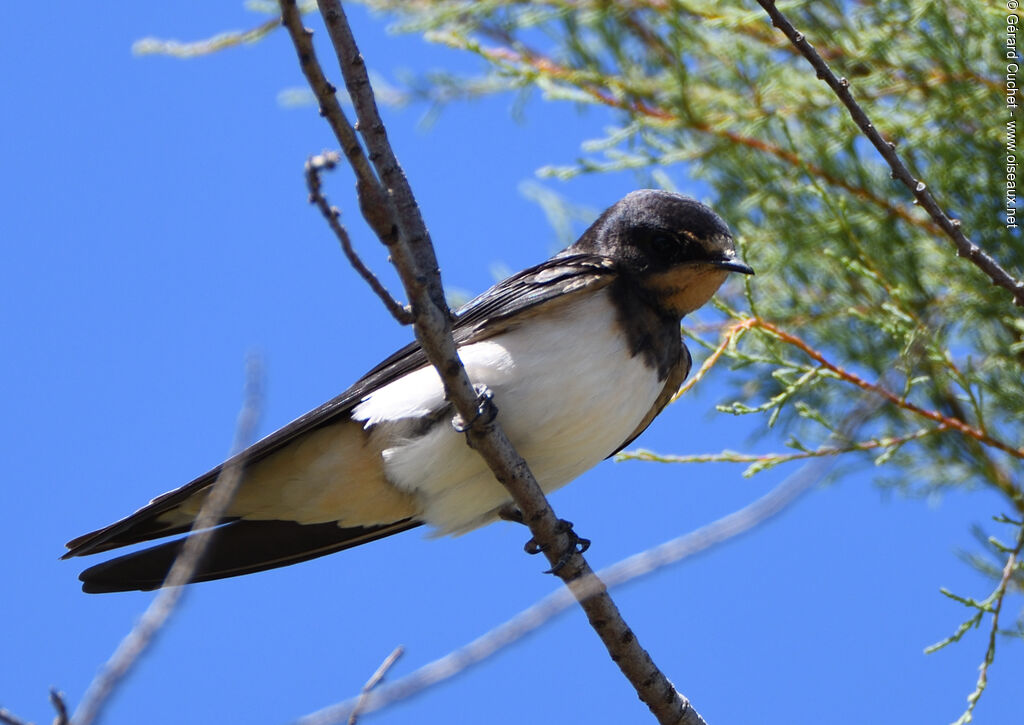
566	401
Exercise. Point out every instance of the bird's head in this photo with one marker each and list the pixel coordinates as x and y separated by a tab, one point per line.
675	248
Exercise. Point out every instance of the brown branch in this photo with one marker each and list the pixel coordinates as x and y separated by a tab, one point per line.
733	334
330	109
169	597
327	161
391	209
933	415
416	249
636	566
951	227
946	422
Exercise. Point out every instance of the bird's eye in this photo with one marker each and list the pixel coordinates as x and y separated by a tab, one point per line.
663	242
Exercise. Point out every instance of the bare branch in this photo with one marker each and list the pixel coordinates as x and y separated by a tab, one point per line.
841	87
647	562
330	109
169	597
327	161
413	255
374	680
57	700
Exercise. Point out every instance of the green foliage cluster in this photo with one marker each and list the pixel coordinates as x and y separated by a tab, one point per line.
858	292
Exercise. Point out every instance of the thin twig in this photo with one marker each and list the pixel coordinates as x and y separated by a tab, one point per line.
778	458
9	718
222	41
414	258
737	328
327	161
995	607
325	93
169	597
638	565
60	706
416	253
730	338
878	388
374	680
945	422
841	87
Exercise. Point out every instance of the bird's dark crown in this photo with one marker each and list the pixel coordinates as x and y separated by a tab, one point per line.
651	231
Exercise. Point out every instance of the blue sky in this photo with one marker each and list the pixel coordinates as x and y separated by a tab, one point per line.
155	229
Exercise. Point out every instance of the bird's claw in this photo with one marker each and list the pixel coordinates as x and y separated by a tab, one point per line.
577	545
485	409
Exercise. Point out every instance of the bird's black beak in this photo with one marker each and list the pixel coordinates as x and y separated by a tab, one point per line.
733	265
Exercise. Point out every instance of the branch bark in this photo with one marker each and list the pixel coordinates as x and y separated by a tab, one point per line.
670	552
951	227
390	209
326	162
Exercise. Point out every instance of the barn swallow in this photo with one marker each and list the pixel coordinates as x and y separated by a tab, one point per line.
580	353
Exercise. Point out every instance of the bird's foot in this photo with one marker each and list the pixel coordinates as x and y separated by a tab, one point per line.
485	409
577	545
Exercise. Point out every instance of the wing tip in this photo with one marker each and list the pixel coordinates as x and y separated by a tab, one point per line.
81	545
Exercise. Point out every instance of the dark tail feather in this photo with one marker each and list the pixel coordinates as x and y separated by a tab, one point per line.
237	548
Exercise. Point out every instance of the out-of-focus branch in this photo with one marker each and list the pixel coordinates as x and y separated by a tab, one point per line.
951	227
375	679
222	41
638	565
391	210
169	597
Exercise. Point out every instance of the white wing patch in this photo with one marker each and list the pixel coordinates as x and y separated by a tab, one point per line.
568	393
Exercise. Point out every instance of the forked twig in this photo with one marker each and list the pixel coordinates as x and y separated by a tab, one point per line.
391	210
327	161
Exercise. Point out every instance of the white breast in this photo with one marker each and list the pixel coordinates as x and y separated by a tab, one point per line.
568	393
